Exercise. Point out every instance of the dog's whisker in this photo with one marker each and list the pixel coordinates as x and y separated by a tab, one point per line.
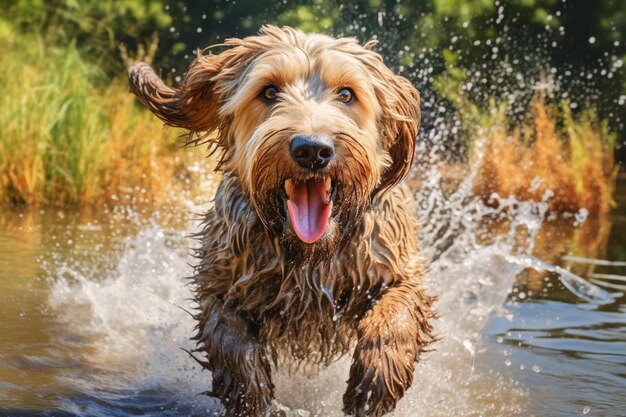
303	252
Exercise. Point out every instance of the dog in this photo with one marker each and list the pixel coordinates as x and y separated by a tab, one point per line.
311	247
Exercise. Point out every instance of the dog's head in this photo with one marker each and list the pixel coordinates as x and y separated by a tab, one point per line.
315	128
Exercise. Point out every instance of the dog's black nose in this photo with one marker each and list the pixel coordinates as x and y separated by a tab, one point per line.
312	152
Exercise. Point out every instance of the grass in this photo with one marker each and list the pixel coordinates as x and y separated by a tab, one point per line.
70	136
550	155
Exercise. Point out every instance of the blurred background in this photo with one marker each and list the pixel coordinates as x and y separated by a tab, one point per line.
70	133
519	179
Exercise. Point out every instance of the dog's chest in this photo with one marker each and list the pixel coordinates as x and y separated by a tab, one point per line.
311	315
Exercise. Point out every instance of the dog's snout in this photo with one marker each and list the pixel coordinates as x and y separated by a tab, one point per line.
312	152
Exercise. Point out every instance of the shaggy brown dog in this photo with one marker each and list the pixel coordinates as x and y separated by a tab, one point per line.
311	244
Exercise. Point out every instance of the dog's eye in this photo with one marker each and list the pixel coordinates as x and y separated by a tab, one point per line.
270	93
346	95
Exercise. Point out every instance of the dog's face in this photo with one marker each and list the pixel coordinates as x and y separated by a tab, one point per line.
314	127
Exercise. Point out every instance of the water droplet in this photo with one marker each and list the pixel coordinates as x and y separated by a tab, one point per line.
592	40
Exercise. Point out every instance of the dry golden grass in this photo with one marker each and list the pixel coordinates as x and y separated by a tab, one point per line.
68	136
551	156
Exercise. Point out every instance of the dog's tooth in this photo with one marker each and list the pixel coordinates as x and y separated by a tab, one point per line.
329	184
289	188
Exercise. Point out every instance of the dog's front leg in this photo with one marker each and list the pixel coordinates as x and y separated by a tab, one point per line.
391	335
241	371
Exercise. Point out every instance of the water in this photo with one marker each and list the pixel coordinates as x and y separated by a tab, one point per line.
93	315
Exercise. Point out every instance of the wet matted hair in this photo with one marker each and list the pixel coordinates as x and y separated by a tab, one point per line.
311	245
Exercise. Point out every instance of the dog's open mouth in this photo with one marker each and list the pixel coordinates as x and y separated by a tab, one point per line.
309	207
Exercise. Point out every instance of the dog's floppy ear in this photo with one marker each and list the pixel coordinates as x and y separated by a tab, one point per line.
194	106
399	125
400	117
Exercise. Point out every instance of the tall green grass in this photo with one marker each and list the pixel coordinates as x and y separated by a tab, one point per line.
70	136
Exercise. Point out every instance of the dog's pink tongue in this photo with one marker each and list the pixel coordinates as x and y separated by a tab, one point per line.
308	210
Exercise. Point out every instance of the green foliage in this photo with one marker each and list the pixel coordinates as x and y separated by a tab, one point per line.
94	27
64	138
591	144
307	19
62	61
43	122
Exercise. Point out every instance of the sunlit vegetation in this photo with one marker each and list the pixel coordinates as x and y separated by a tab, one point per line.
70	132
551	156
70	136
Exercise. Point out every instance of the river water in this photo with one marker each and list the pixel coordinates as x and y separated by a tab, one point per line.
533	323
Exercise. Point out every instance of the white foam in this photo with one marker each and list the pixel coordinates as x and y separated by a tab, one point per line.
134	315
134	319
472	283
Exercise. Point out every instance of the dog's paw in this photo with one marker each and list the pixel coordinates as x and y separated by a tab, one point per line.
379	376
245	386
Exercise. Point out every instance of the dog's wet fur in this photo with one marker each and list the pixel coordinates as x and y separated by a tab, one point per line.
265	296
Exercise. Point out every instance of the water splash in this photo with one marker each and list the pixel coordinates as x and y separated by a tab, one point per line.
454	380
129	323
577	285
129	326
124	325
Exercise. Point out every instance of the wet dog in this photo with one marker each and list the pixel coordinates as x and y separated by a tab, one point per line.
311	247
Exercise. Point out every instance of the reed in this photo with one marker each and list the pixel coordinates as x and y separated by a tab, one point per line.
552	156
70	136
